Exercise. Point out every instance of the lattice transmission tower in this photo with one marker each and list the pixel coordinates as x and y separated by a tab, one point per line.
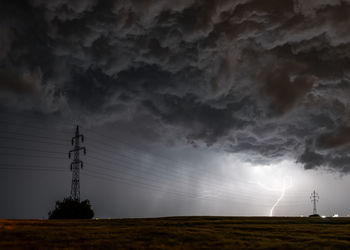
314	198
76	164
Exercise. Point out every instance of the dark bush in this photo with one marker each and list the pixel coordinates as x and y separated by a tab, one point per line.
72	209
315	215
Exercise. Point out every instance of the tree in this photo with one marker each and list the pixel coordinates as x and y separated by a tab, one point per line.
72	209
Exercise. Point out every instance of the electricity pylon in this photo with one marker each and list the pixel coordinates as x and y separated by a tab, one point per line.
314	198
76	164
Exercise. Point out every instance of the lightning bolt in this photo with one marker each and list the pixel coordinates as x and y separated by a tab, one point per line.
283	192
279	199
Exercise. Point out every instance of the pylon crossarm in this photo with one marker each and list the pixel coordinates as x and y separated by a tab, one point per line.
78	149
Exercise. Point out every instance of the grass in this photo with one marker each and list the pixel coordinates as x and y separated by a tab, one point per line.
178	233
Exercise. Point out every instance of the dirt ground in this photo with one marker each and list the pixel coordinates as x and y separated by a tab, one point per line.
178	233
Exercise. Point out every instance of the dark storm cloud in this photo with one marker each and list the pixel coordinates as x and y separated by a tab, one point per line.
284	96
24	83
5	40
266	78
335	139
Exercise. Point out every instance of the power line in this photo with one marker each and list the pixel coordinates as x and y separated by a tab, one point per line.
213	186
31	135
120	140
138	176
109	145
31	149
131	159
32	156
28	140
128	168
109	178
108	161
29	126
63	158
112	178
180	194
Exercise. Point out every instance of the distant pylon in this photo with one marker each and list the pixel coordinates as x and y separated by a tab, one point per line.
76	164
314	198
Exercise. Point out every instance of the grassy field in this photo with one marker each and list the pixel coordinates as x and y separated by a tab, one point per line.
178	233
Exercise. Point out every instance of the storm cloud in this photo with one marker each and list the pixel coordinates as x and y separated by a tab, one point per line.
268	79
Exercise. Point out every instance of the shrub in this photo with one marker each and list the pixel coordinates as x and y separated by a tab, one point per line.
72	209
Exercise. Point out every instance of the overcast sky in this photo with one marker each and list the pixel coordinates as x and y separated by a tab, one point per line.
214	107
